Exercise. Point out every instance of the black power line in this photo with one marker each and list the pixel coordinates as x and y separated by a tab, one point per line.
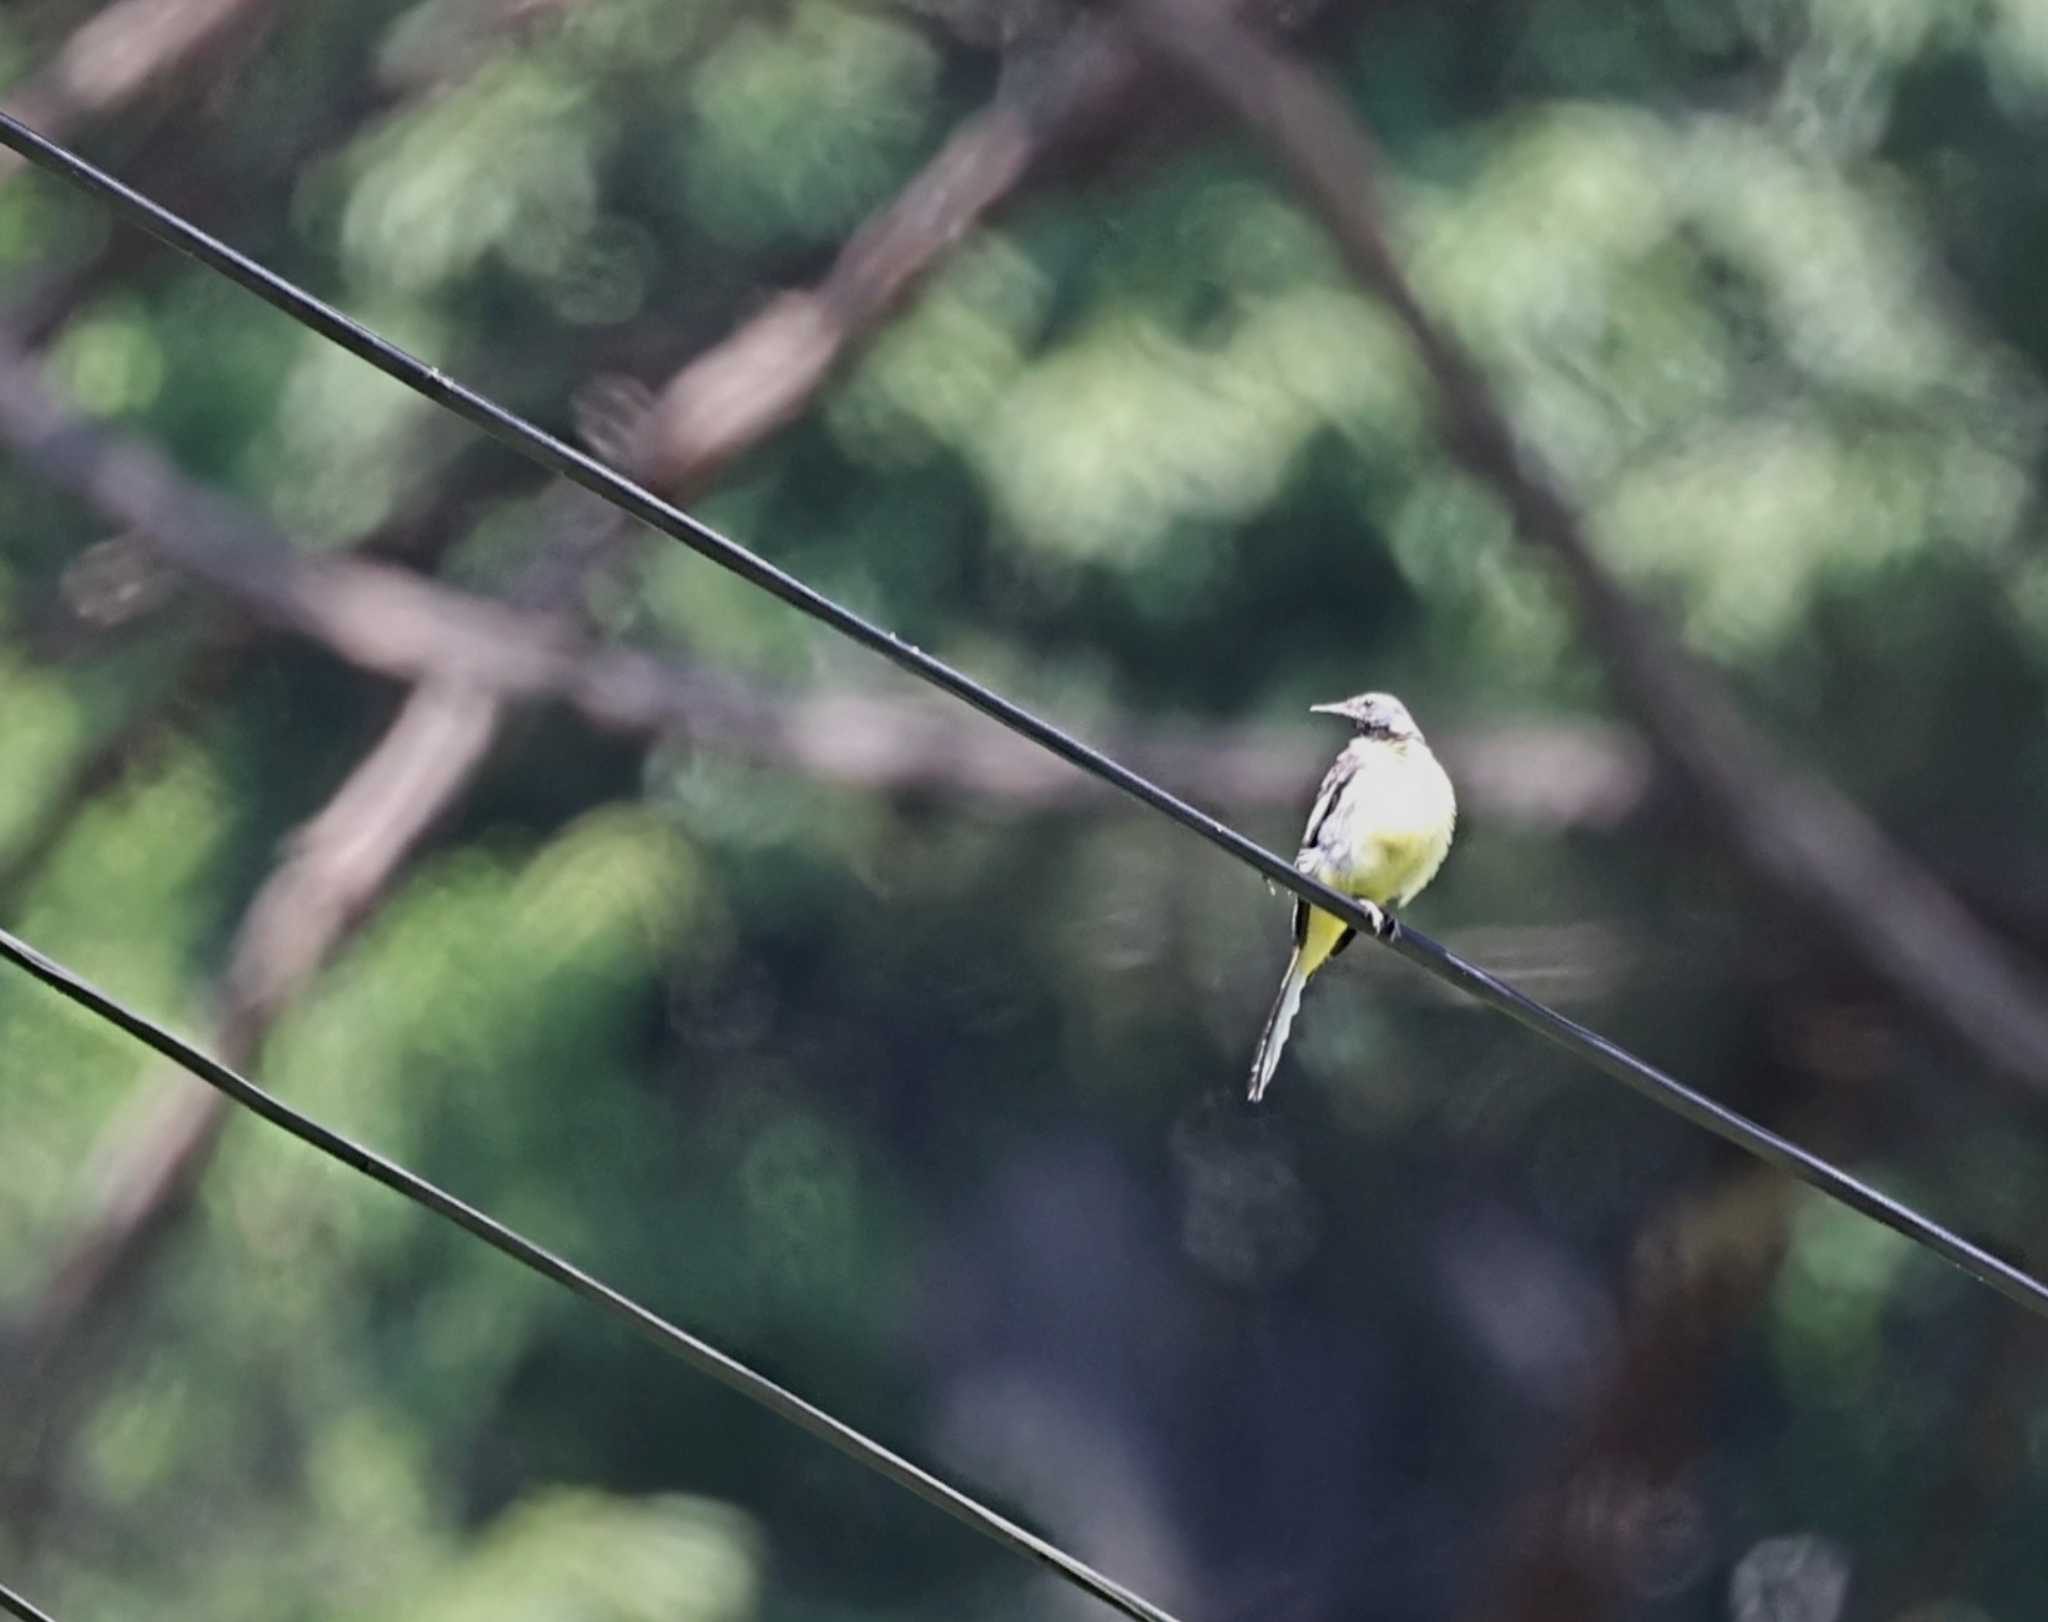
540	446
15	1605
699	1354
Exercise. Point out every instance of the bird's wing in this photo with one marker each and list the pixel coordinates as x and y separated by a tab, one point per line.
1341	771
1335	780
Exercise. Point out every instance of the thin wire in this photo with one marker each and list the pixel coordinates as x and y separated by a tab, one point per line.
15	1605
699	1354
542	447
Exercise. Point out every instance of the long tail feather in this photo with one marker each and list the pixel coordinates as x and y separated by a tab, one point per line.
1278	1023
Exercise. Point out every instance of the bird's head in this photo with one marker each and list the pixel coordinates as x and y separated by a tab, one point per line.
1376	715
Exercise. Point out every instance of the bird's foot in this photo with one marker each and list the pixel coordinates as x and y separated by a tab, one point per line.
1385	926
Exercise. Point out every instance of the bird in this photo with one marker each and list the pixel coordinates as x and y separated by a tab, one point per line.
1380	828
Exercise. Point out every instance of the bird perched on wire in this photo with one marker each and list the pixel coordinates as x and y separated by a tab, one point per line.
1380	828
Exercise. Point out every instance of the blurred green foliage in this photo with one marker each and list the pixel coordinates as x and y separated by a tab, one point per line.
920	1101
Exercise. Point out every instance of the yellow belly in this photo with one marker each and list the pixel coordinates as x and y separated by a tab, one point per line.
1392	835
1395	866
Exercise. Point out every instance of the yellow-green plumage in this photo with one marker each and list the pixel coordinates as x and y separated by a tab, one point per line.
1380	829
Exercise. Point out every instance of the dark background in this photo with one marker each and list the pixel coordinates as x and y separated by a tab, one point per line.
903	1063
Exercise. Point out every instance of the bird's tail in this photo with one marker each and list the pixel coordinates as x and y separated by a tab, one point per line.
1278	1023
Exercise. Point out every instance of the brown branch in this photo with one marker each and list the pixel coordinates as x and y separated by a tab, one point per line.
153	1157
1089	81
116	55
1575	1539
769	371
111	59
1989	1459
1536	775
1622	1512
1796	832
1991	1464
1612	1516
395	624
473	659
336	865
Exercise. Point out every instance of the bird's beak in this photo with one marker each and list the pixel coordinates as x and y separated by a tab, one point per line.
1328	709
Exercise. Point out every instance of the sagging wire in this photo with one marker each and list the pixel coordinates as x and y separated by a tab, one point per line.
678	1342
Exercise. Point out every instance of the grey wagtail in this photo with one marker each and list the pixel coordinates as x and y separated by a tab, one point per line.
1380	829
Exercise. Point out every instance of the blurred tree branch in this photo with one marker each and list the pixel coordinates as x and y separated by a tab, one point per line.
344	860
117	54
1705	1267
773	366
393	623
1806	840
1618	1516
1986	1469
